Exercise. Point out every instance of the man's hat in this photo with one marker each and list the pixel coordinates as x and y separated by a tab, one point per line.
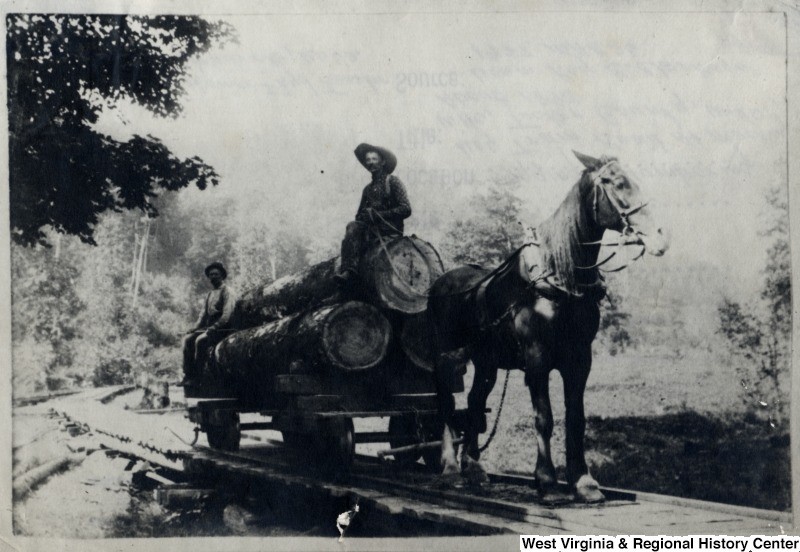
219	266
391	161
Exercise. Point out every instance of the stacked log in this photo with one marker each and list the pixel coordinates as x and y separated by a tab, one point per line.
309	323
342	338
288	295
416	341
395	274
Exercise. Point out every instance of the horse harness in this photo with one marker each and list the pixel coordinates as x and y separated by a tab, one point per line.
547	283
544	284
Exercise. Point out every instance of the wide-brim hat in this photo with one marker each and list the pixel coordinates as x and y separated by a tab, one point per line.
389	158
219	266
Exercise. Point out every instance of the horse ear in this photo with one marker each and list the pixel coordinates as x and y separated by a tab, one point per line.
588	162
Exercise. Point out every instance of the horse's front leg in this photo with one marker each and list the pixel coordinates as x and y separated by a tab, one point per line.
575	375
538	380
482	385
530	326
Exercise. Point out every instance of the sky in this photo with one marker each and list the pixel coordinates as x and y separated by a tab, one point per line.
692	104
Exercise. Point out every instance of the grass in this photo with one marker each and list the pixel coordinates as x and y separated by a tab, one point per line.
669	425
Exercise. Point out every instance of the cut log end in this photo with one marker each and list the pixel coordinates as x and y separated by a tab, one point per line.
356	336
403	273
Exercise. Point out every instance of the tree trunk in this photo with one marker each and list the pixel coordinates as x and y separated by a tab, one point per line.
139	264
394	275
341	338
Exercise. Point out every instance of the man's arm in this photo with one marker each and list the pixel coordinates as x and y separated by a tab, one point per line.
402	207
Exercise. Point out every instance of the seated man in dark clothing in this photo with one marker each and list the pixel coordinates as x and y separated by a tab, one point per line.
211	326
383	208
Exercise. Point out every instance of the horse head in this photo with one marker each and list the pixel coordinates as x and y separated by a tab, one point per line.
619	204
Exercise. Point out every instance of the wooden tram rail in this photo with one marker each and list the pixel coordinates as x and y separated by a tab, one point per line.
378	485
510	504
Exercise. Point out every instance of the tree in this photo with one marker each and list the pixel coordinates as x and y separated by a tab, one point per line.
265	252
777	292
491	233
62	71
761	331
613	324
119	339
44	314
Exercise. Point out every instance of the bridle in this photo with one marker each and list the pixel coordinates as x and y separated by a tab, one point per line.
602	178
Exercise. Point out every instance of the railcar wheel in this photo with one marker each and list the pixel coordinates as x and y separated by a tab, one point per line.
336	443
223	430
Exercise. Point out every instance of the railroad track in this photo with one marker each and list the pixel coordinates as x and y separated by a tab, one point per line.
510	504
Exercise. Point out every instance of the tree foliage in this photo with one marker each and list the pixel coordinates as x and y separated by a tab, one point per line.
75	321
614	324
490	234
266	252
760	331
44	310
62	71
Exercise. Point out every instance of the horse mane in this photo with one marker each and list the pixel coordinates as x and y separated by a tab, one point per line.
561	234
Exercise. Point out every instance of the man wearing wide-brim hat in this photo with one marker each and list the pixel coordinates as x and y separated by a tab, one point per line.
383	208
211	327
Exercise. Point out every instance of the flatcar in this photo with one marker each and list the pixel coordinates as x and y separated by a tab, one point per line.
310	357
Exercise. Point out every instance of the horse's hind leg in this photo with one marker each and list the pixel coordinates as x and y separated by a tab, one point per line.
443	376
482	385
575	375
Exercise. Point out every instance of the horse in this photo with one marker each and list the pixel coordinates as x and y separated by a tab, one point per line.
538	311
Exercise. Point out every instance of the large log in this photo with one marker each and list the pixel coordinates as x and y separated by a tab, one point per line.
394	274
288	295
416	341
23	484
340	338
397	274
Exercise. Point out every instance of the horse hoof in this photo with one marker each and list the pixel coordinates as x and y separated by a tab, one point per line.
473	472
587	490
449	468
475	477
448	481
554	497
